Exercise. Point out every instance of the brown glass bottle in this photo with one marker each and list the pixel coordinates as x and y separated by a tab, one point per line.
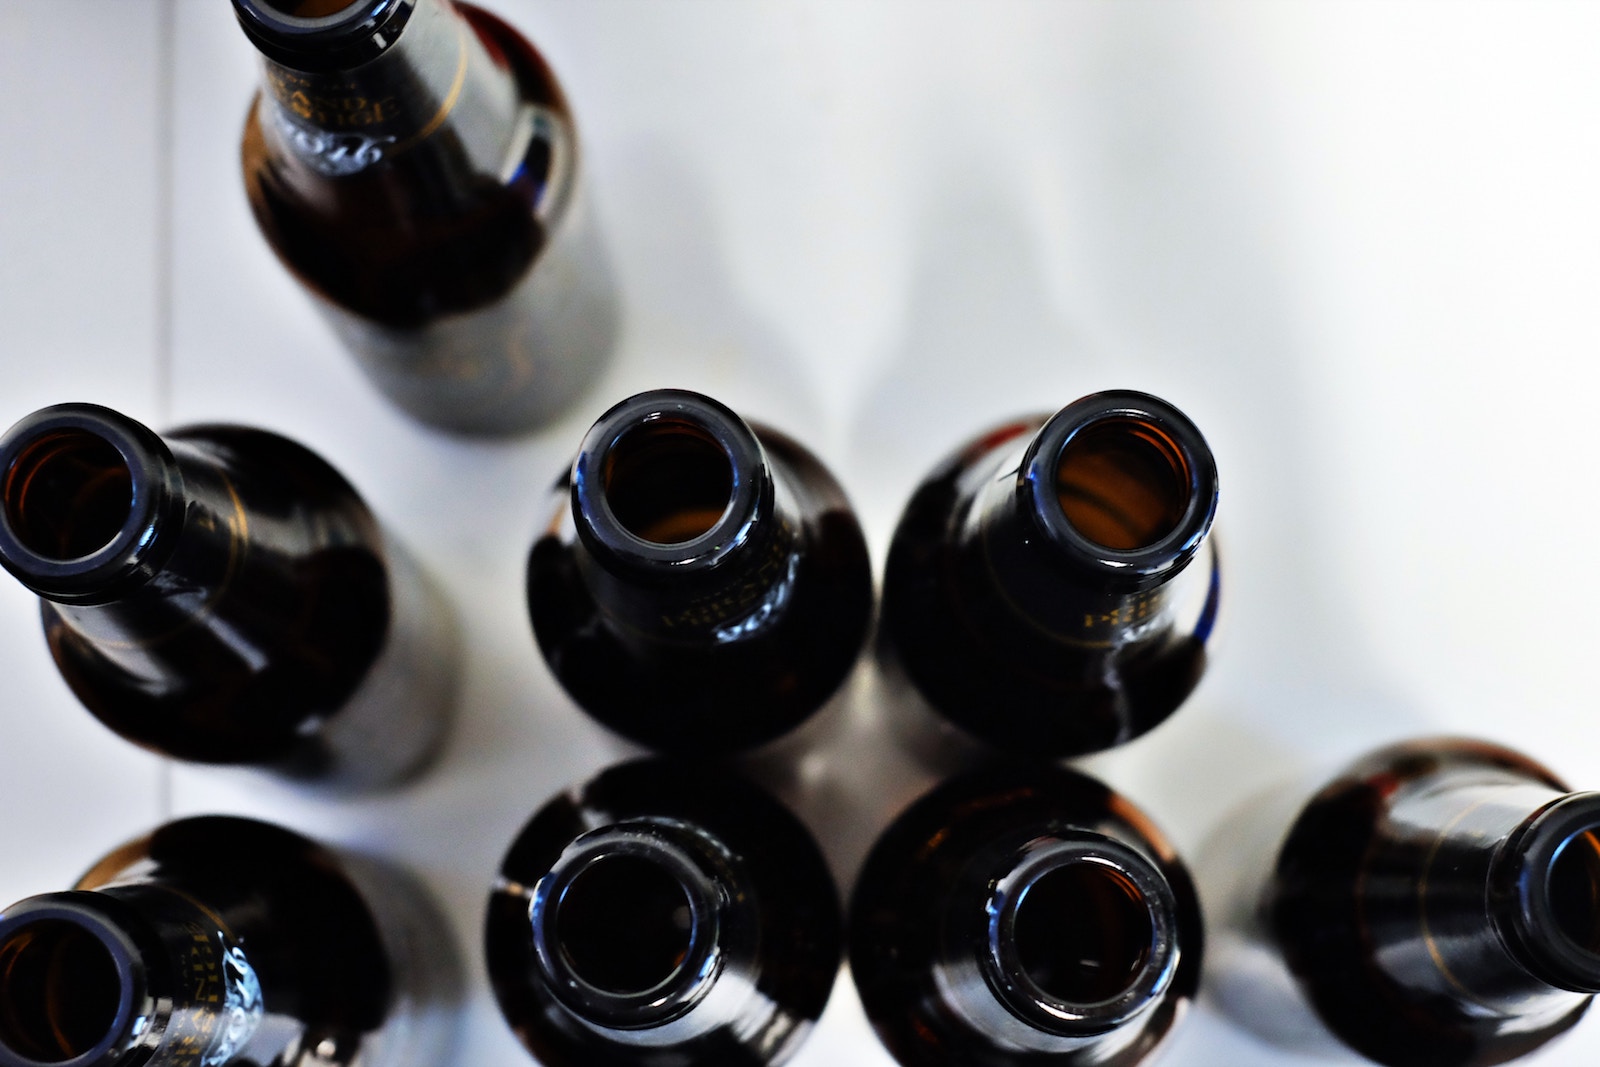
223	941
1024	915
1050	588
221	594
703	584
664	914
414	163
1439	903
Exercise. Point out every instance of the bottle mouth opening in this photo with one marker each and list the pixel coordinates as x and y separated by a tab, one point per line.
1081	935
1572	888
68	494
62	994
624	925
311	9
668	481
1123	483
627	928
1099	952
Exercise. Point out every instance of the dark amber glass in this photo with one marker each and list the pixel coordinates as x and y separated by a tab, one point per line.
221	594
1024	915
1050	588
703	584
664	914
414	163
223	941
1439	902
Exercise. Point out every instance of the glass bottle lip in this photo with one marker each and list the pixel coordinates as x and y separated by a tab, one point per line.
1528	916
1164	556
341	41
695	973
749	504
124	956
154	511
1002	960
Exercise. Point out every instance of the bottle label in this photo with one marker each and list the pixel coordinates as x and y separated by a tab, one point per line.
223	998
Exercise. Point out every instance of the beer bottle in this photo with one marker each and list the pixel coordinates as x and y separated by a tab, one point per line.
222	594
703	584
1050	588
414	164
664	913
1024	916
220	941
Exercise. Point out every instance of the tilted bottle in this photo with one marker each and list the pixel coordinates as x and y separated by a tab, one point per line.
414	164
1024	916
222	941
1050	587
1439	904
663	914
221	594
703	584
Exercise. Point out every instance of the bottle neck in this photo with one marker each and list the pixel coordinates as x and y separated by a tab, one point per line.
347	87
643	932
1079	530
689	534
1505	874
1059	943
91	503
121	976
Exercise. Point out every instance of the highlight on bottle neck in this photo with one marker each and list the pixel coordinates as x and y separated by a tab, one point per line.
72	989
1124	484
1545	893
324	35
1078	938
670	481
633	933
86	495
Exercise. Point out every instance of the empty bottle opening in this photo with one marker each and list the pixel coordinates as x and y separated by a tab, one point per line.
668	481
59	991
1083	933
623	925
68	494
1574	888
1122	483
309	9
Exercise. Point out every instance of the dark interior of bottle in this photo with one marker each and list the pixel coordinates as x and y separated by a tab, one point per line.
1122	483
668	481
59	991
309	9
623	925
1574	888
1083	933
68	494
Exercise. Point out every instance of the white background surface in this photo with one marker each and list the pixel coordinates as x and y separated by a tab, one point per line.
1358	244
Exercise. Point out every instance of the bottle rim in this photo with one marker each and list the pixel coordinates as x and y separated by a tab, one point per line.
695	972
1533	926
134	549
345	39
1148	978
749	504
1180	441
124	958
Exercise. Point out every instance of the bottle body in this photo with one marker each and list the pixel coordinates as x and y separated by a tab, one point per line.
1051	588
703	585
664	913
1023	916
421	179
223	595
1439	904
219	940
